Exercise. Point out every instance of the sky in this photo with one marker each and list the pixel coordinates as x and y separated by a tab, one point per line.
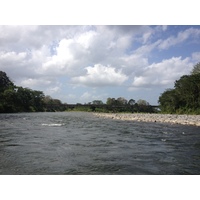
84	63
79	64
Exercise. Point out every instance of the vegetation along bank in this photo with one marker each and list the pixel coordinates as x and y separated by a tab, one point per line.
184	98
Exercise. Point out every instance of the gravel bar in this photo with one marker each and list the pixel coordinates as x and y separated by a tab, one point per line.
162	118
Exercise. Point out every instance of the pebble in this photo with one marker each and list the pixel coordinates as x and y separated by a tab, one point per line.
162	118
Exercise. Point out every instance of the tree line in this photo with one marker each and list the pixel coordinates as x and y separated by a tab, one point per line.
184	98
116	105
19	99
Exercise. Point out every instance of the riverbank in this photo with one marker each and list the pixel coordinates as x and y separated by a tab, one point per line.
162	118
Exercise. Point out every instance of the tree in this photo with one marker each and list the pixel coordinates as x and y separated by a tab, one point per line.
110	101
18	99
188	88
37	100
131	102
51	104
143	106
48	99
122	101
142	102
7	93
5	82
9	100
169	101
184	98
196	69
97	102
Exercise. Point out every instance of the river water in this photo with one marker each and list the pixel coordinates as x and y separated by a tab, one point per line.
80	143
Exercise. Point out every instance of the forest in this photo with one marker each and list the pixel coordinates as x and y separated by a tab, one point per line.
19	99
184	98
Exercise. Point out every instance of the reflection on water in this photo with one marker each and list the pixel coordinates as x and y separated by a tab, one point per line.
80	143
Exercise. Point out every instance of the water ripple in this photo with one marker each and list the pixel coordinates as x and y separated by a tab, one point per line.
79	143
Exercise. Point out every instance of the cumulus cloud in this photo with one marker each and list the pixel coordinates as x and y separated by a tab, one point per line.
163	73
181	37
50	58
48	85
70	55
15	64
91	95
133	64
15	57
35	82
57	63
100	75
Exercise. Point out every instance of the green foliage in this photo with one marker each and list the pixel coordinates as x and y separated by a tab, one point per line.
4	82
142	102
184	98
19	99
51	104
113	105
196	69
111	101
117	102
169	101
122	101
97	102
122	105
131	102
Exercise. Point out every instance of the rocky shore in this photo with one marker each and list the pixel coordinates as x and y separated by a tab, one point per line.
162	118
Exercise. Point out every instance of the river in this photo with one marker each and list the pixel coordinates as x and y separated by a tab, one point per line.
81	143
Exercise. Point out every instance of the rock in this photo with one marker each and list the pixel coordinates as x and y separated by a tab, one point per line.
162	118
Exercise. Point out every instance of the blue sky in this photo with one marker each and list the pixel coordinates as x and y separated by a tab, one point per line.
79	64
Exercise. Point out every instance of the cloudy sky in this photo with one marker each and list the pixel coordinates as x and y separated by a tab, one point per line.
79	64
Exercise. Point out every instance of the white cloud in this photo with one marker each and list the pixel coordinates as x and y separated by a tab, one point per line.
33	37
15	64
163	73
12	60
65	50
85	39
46	84
196	56
100	75
133	64
47	58
92	95
58	63
86	96
140	81
15	37
70	55
53	90
144	50
7	56
181	37
146	36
